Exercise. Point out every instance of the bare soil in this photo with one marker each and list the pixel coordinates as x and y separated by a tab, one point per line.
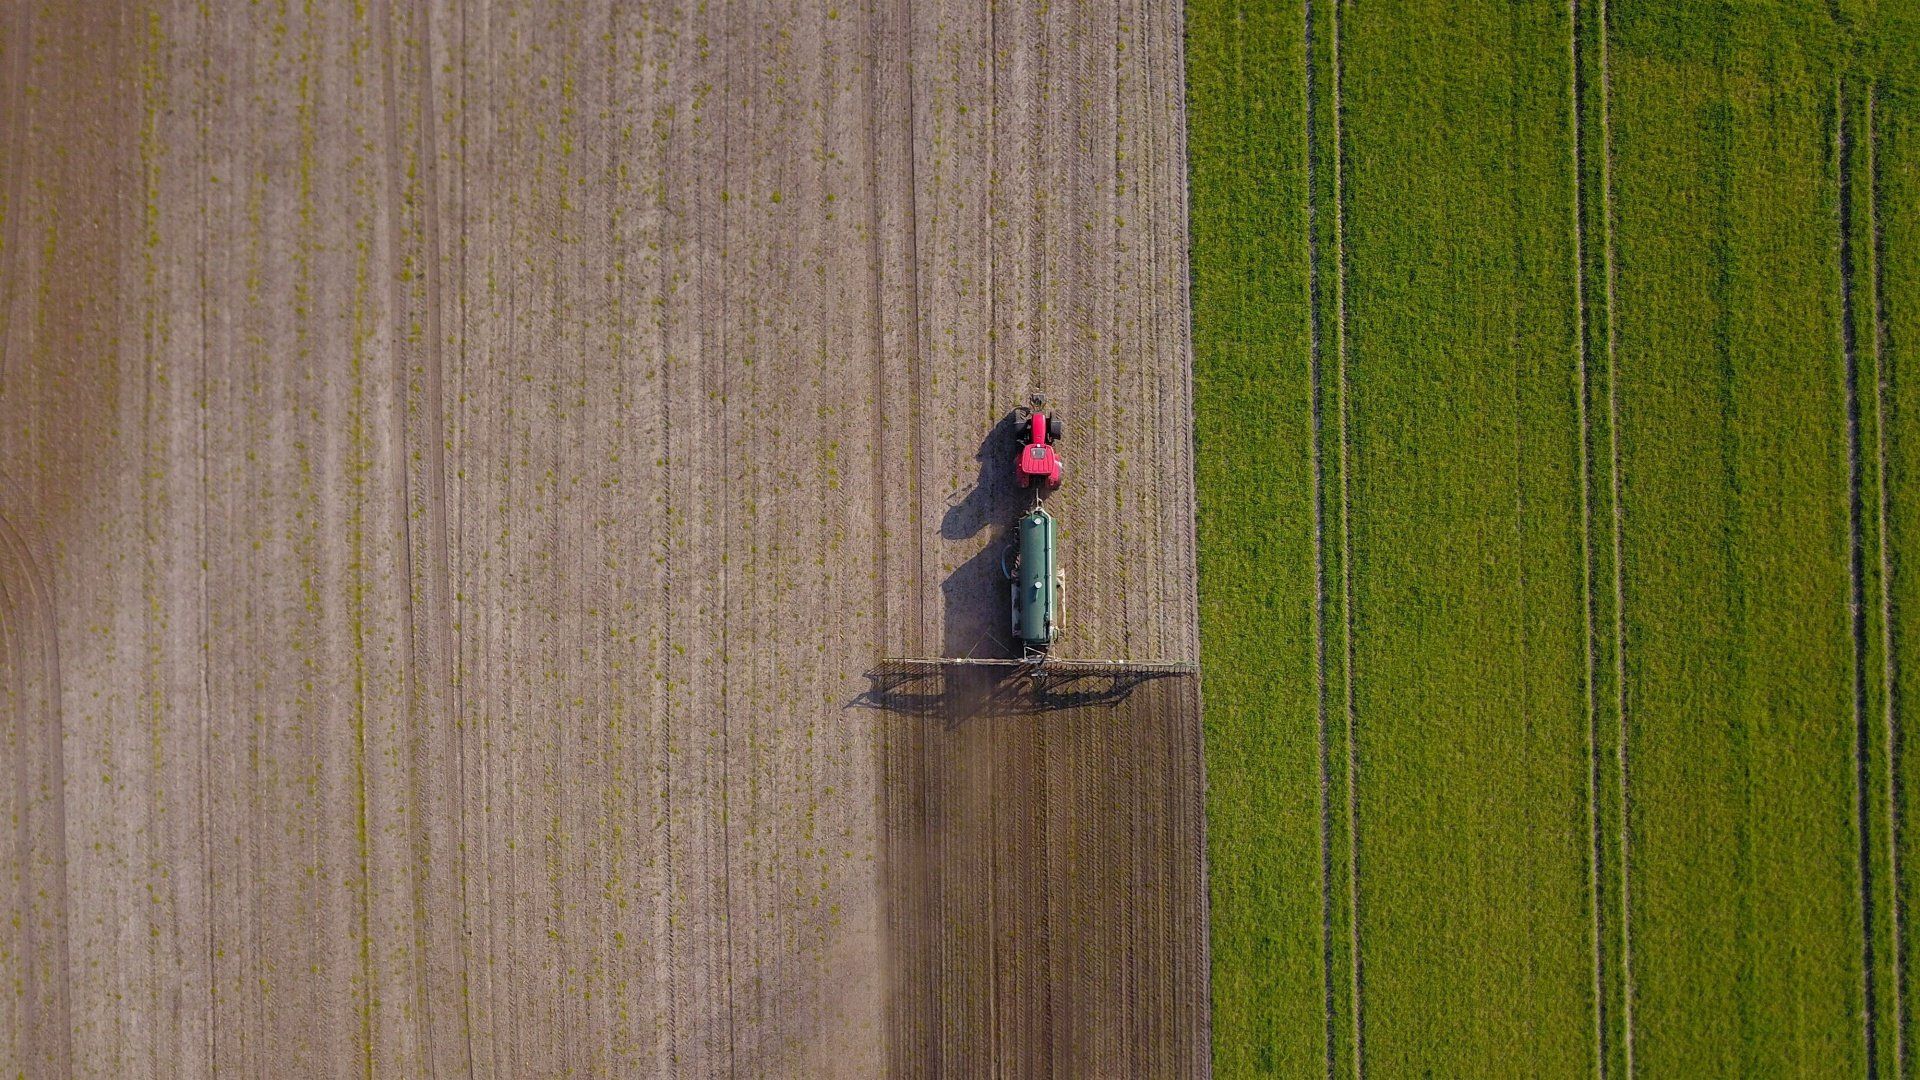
460	466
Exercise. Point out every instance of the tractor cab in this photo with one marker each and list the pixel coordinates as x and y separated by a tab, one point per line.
1038	463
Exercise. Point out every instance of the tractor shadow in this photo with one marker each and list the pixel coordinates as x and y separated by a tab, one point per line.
996	497
975	595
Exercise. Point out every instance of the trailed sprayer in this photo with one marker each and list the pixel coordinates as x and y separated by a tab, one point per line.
1038	579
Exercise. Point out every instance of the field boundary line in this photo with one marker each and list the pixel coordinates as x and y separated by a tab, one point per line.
1584	392
1316	429
1610	268
1889	672
1346	550
1856	572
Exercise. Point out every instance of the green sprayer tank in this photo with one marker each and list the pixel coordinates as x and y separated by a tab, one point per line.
1039	582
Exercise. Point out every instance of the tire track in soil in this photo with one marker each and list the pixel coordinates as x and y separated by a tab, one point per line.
934	727
607	468
1583	403
901	997
685	264
738	378
848	741
1120	745
499	376
1856	574
611	408
1317	464
786	418
901	331
955	274
1022	1022
484	294
802	857
442	849
1145	786
36	304
402	254
719	857
1131	246
1074	335
203	824
1889	672
454	335
1082	336
1609	264
539	558
1066	777
653	236
1343	388
1173	313
576	403
221	780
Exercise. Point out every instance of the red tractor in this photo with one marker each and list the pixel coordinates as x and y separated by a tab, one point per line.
1037	463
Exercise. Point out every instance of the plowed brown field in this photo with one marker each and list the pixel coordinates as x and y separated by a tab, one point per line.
460	465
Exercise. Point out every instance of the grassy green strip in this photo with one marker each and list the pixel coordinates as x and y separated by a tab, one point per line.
1252	387
1468	630
1741	843
1463	449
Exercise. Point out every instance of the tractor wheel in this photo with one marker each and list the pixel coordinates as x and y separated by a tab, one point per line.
1054	429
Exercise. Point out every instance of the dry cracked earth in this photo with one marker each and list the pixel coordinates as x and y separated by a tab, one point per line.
460	467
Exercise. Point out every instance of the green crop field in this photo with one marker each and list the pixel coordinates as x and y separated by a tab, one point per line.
1558	387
